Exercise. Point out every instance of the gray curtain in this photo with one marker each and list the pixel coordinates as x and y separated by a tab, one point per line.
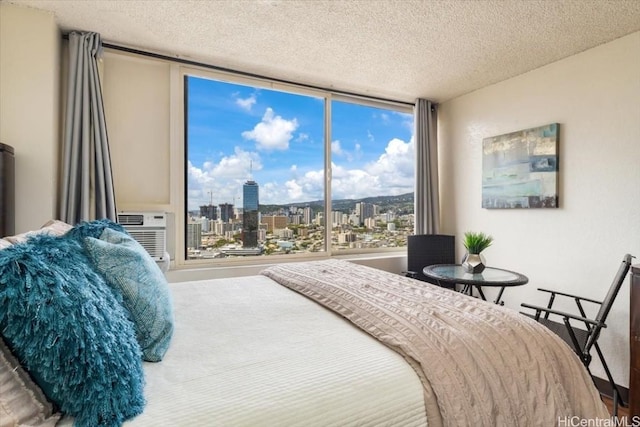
86	180
427	198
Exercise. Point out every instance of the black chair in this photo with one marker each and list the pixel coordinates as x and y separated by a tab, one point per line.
428	249
583	340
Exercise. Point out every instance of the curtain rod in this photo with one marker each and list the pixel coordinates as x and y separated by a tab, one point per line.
241	73
246	74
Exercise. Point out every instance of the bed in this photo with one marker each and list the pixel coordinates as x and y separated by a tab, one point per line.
332	343
252	351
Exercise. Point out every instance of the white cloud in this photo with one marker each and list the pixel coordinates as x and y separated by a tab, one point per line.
197	176
339	151
223	179
391	173
306	188
236	165
394	168
398	159
272	193
406	120
353	183
272	133
294	190
382	117
336	148
246	103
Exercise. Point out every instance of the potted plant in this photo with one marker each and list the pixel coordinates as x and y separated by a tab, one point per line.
475	243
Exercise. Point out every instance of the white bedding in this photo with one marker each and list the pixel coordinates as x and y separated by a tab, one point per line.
249	352
482	364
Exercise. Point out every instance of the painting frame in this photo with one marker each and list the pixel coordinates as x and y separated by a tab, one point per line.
520	170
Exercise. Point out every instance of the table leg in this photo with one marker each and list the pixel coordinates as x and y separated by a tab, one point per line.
498	300
481	293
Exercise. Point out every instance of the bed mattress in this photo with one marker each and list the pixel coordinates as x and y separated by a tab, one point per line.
249	352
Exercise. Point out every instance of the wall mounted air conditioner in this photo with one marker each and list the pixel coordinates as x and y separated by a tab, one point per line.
147	228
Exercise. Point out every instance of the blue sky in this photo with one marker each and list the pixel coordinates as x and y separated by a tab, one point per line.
240	132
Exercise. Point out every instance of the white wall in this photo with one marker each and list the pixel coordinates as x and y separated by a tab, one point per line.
136	93
29	109
595	96
136	99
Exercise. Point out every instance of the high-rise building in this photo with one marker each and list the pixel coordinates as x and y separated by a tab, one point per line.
205	224
226	212
194	235
347	237
250	193
275	222
295	219
220	228
209	211
339	218
364	211
307	214
250	221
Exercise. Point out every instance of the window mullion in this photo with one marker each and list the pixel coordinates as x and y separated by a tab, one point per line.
327	174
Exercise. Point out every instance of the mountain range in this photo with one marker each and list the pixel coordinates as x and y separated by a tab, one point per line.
400	204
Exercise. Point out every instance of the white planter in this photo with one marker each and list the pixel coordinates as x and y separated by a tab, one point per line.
473	263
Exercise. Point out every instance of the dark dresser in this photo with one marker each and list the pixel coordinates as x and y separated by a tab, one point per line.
634	341
7	191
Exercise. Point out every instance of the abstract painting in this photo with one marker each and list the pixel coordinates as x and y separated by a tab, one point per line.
520	169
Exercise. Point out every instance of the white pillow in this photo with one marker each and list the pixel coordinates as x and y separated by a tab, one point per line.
22	403
53	227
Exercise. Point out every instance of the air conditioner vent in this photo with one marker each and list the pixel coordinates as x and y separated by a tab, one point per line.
152	240
148	229
130	219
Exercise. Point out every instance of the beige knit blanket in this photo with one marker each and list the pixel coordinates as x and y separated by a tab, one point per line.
480	364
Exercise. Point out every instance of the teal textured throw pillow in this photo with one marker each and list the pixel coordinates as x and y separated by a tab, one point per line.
129	268
70	331
93	229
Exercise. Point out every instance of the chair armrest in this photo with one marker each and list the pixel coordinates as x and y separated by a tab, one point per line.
570	295
538	308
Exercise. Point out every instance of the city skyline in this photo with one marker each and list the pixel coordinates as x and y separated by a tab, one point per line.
201	211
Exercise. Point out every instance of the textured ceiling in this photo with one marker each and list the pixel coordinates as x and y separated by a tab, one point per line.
396	49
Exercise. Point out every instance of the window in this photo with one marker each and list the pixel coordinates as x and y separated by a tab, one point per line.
256	162
372	176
